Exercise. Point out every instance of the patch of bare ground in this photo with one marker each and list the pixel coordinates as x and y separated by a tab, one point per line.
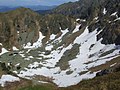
16	85
44	79
106	82
70	39
106	65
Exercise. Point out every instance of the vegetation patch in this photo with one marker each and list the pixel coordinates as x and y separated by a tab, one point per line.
106	65
67	56
106	53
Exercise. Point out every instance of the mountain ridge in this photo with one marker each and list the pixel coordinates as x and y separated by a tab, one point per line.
34	8
62	47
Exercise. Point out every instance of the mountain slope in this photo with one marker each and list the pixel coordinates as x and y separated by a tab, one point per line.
40	7
6	8
22	25
63	49
34	8
108	82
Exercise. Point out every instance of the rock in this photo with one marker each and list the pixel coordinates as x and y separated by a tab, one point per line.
115	68
103	72
20	26
117	40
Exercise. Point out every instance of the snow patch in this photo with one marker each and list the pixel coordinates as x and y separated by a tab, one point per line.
52	37
1	44
77	28
113	14
104	11
117	19
8	78
113	65
49	47
15	49
96	18
36	44
90	51
4	51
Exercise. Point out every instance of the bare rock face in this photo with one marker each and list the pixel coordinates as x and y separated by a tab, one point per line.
18	27
0	48
21	26
1	40
117	40
91	9
53	22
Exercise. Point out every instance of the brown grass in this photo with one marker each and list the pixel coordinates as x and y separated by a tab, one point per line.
106	65
107	82
16	85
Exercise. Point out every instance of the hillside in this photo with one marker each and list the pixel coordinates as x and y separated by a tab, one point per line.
34	8
73	42
107	82
22	25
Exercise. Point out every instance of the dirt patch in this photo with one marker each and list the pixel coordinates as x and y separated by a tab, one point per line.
16	85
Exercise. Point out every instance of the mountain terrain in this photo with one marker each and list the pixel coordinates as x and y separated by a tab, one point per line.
34	8
6	8
75	46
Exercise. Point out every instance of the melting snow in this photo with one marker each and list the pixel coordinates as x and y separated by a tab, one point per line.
4	51
77	28
37	43
8	78
83	20
113	14
49	47
17	65
88	46
96	18
113	65
77	19
34	65
42	82
63	33
117	19
104	11
52	37
14	48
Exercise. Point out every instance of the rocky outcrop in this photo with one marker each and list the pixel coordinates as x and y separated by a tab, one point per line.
17	26
110	22
65	53
54	23
22	25
81	9
113	69
102	11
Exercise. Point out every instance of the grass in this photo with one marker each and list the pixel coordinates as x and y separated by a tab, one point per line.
106	82
36	88
1	71
107	52
17	85
106	65
68	55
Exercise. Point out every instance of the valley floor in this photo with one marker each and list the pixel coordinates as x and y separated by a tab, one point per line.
106	82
